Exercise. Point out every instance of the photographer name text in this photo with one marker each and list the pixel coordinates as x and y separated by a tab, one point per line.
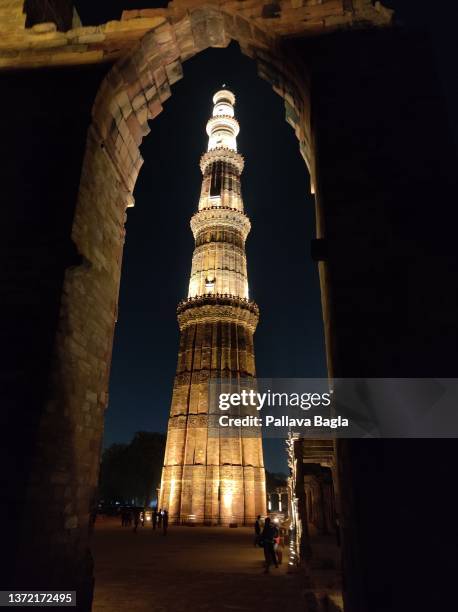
282	421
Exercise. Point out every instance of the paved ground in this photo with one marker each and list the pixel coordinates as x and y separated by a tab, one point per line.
193	569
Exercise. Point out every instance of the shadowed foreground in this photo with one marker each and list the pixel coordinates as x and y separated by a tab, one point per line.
192	568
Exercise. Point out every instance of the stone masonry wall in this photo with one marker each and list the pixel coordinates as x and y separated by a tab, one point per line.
63	478
149	49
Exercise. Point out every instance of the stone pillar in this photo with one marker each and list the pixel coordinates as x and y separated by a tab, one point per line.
58	316
323	503
385	168
304	545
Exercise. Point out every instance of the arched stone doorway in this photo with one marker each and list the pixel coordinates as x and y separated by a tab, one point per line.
131	95
366	275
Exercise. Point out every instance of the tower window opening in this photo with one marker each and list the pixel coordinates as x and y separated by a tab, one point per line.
216	179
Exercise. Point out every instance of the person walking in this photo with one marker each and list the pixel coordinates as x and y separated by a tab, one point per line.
257	530
268	535
154	518
159	519
165	521
136	519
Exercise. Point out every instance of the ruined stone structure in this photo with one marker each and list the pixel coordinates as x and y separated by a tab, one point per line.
311	487
312	465
315	515
362	98
207	478
277	500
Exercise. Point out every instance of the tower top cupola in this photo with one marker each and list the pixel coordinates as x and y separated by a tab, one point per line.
224	95
222	127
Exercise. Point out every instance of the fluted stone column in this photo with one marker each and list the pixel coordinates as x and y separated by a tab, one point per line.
207	478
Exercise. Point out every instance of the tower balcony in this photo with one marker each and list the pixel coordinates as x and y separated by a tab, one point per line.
223	154
218	307
222	131
220	216
223	121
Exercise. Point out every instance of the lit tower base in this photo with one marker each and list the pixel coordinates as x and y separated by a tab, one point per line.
206	478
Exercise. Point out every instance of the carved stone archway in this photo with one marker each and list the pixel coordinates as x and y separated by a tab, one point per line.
148	48
131	95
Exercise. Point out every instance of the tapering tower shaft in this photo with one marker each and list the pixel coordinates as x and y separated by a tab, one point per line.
207	478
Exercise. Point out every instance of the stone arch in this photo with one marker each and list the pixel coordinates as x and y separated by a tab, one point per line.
136	87
51	546
131	94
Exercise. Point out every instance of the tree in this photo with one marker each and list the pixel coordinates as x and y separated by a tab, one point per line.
114	474
132	471
146	456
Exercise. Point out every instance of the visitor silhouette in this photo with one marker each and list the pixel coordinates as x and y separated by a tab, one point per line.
257	530
165	521
269	533
136	519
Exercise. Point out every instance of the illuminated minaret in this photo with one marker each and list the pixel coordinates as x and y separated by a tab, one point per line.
207	478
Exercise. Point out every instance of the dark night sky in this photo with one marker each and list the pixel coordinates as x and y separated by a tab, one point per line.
157	259
159	244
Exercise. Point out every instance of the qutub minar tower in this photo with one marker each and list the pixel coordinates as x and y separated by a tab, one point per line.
206	478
